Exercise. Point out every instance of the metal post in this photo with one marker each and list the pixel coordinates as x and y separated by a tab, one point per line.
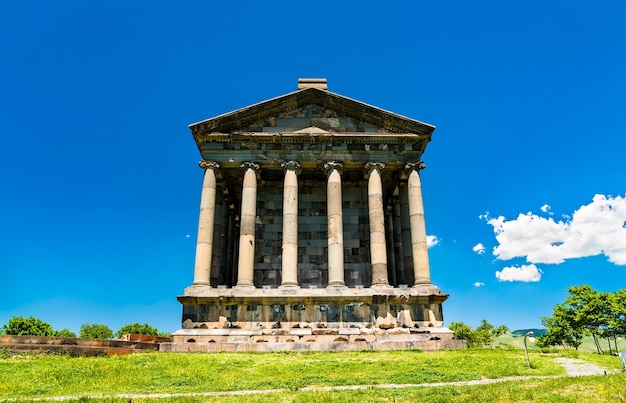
526	347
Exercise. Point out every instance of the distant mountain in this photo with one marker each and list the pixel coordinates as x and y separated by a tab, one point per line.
522	332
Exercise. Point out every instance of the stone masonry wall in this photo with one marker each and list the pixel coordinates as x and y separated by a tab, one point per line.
312	235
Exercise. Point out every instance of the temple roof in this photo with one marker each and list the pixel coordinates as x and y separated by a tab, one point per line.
311	126
310	110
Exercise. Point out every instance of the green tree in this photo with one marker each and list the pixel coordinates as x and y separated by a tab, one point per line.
31	326
136	328
618	318
483	333
591	311
498	331
95	331
562	329
64	333
462	331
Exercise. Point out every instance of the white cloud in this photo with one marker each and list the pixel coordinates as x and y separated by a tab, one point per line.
479	284
479	248
187	236
594	229
545	208
431	240
525	273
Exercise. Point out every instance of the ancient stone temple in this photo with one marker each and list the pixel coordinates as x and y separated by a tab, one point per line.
311	230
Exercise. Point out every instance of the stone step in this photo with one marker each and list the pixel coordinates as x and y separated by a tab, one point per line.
74	351
72	346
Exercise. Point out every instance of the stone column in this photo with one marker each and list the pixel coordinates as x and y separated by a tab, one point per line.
290	225
204	245
419	247
335	225
217	237
245	276
378	247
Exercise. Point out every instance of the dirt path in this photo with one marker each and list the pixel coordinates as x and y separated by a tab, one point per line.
576	367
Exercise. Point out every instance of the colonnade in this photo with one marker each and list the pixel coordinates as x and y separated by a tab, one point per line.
411	210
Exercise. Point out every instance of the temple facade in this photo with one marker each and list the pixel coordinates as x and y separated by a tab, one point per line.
311	230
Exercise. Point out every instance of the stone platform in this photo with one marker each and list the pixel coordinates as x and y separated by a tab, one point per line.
311	319
429	345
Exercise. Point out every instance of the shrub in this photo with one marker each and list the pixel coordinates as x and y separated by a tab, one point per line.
482	336
95	331
20	326
64	333
136	328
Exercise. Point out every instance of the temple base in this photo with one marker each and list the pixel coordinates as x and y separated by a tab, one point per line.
382	318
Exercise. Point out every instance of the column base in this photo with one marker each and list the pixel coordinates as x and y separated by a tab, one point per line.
427	288
337	285
201	284
198	289
291	286
244	287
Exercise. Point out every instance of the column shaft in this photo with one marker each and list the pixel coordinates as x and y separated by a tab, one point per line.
217	237
335	225
419	246
204	245
391	255
290	225
378	246
245	277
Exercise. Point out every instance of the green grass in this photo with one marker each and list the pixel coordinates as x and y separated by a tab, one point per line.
29	376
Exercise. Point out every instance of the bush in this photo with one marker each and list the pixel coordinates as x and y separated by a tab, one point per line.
483	335
95	331
20	326
136	328
64	333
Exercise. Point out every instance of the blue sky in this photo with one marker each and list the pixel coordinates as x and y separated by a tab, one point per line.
100	186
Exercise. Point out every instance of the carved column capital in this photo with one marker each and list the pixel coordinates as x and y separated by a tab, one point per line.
418	166
293	165
374	165
250	164
370	166
204	164
333	165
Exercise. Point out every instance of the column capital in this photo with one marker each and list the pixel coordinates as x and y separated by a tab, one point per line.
418	166
250	164
204	164
293	165
370	166
374	165
333	165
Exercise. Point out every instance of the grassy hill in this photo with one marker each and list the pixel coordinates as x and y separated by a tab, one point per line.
515	339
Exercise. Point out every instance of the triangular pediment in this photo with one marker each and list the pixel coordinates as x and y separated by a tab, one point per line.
312	111
312	130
